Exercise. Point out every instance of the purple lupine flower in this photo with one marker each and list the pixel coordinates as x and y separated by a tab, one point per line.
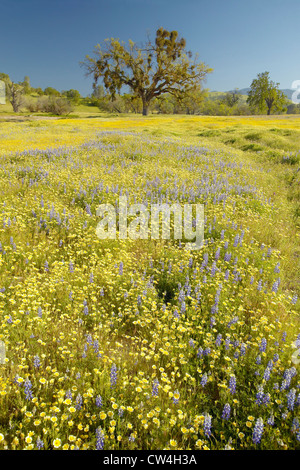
284	334
113	376
99	401
275	286
227	343
266	376
270	421
86	310
99	439
207	425
263	345
295	425
89	339
218	340
236	241
176	314
258	431
294	299
88	209
258	360
276	357
78	402
200	352
291	399
121	268
39	443
213	269
259	397
27	389
203	380
232	384
155	386
266	399
226	411
36	362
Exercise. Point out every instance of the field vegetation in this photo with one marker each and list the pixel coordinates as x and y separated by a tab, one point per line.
142	344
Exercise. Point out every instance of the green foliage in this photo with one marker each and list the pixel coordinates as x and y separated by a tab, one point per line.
232	98
265	95
26	85
72	95
49	104
51	91
150	71
293	108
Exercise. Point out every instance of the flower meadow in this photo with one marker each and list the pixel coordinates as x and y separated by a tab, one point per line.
143	344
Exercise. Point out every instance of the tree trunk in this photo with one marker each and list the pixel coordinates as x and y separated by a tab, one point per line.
145	108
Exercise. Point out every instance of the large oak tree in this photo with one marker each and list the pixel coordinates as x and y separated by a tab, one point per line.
162	66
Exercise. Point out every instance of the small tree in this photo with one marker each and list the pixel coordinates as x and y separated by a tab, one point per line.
149	71
72	95
51	91
26	85
16	96
232	98
265	95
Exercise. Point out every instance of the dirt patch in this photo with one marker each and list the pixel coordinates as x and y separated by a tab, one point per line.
8	117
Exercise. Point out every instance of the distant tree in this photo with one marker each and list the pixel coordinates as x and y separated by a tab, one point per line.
191	102
232	98
51	91
132	103
164	104
149	71
265	95
53	104
38	91
26	85
293	108
72	95
16	95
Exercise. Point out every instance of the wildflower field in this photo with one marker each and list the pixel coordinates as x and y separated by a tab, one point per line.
142	344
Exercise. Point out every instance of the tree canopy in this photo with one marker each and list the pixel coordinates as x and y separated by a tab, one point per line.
159	67
265	95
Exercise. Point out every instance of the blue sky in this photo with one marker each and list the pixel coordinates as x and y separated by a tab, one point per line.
46	39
